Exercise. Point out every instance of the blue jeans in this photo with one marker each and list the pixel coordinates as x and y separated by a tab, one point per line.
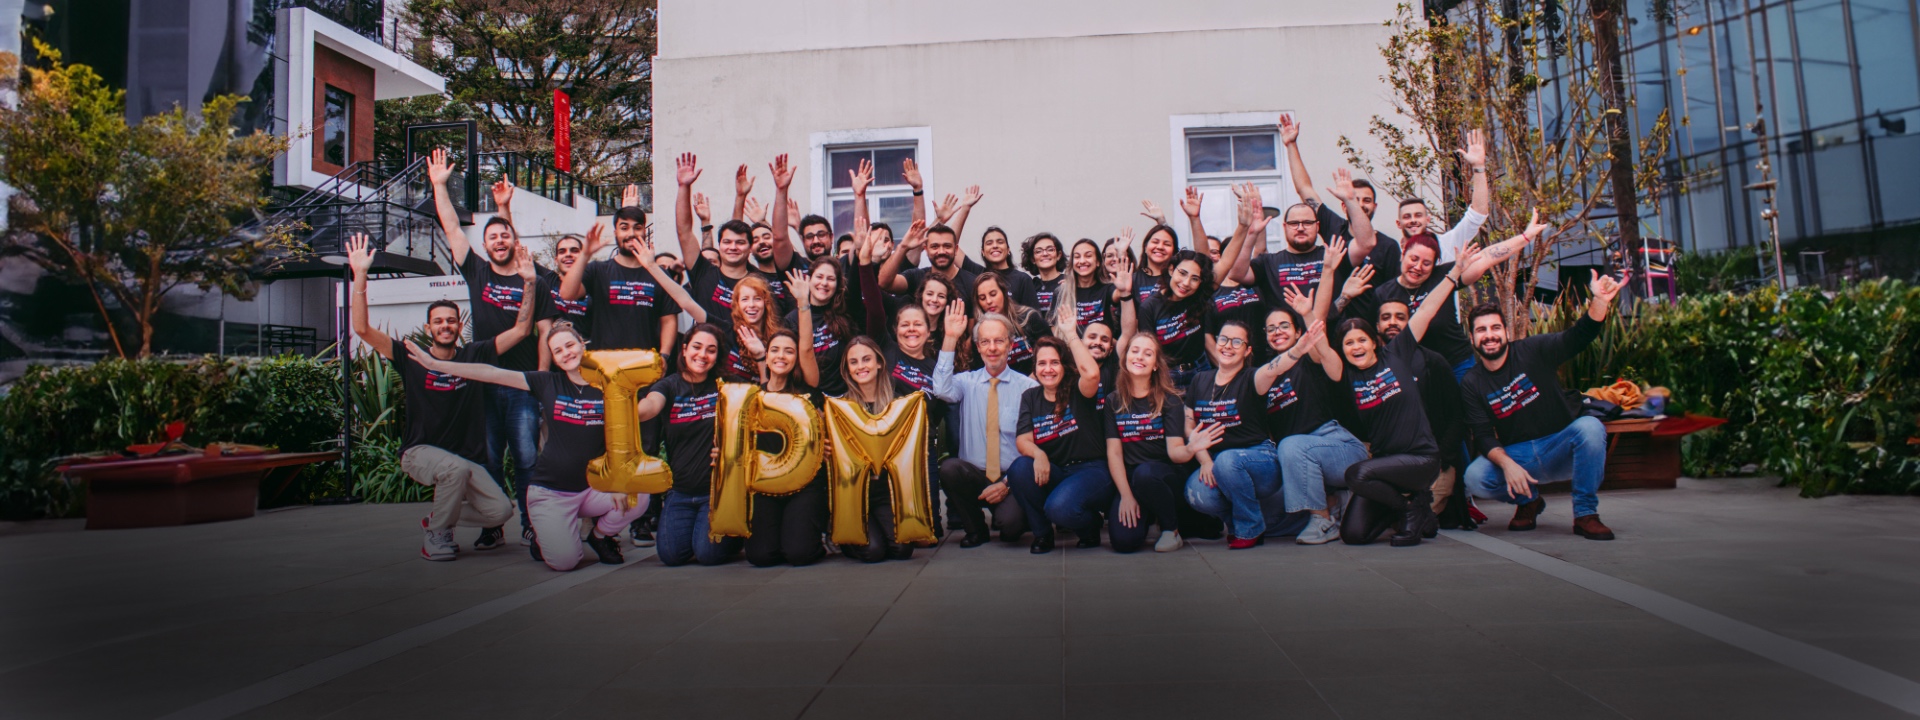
683	533
1243	477
513	421
1074	496
1460	371
1313	462
1578	453
1156	488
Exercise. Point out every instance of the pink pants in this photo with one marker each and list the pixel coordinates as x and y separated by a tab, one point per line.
554	514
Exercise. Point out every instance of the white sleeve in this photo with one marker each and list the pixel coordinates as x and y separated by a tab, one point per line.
1453	240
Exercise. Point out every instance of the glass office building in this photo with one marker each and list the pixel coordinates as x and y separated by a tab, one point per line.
1838	84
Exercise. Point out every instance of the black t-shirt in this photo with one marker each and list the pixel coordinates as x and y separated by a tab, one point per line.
1033	326
1070	435
1177	325
627	305
573	311
688	430
494	301
1392	417
1523	400
1043	294
911	374
1142	432
1234	406
1273	272
1095	304
1109	369
1300	400
828	348
712	290
446	411
1444	334
784	296
576	430
1385	257
1440	393
961	284
1146	286
1238	303
1021	284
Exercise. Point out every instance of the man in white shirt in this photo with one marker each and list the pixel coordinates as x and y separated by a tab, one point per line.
986	413
1413	216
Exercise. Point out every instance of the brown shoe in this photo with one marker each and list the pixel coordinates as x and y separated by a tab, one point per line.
1590	527
1524	515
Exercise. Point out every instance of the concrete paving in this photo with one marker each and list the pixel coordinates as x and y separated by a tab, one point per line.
144	623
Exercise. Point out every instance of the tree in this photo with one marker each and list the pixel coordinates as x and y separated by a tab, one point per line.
1555	143
504	59
132	212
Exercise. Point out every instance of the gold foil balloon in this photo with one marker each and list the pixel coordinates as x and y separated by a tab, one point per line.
742	469
626	469
865	445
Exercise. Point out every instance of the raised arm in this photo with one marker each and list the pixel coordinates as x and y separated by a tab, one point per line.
702	211
651	405
530	286
438	170
955	326
673	289
1250	232
1476	157
891	279
911	171
572	282
1190	205
809	365
1297	168
1235	253
967	202
861	177
1083	362
742	187
782	233
503	199
1358	224
478	372
1265	375
1323	290
1124	297
1436	298
1505	249
360	258
686	170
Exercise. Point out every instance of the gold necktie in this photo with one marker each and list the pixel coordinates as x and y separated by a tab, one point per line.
993	429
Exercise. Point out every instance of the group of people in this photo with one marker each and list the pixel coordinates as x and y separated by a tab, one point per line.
1100	387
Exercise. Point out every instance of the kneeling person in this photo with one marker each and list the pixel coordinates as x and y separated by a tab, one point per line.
1528	430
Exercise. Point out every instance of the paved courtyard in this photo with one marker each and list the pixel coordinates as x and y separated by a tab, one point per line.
1724	598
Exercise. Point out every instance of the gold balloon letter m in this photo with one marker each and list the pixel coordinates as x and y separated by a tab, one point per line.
864	445
626	469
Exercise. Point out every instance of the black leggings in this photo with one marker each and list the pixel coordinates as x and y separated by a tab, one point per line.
787	528
880	545
1389	479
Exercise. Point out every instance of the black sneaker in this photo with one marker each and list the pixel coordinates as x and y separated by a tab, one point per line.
490	538
642	532
533	544
608	548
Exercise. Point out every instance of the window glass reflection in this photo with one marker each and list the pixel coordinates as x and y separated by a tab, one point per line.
1824	67
1883	38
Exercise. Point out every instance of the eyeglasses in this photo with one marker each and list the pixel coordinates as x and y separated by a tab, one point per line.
1282	327
567	251
1231	343
817	235
1302	223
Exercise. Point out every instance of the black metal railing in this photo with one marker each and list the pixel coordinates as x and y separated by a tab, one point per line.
393	207
545	180
364	17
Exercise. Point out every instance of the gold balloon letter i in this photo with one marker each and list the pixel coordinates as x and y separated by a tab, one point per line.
626	469
743	470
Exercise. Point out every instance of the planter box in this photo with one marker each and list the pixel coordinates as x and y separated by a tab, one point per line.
179	489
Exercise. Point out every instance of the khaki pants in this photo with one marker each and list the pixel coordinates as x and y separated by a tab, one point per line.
1443	488
463	493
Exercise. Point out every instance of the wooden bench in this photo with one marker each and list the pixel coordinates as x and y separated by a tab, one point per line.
180	489
1637	458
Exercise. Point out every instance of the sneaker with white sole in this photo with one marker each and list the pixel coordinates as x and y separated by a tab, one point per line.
1169	541
490	538
526	537
1320	531
438	545
642	535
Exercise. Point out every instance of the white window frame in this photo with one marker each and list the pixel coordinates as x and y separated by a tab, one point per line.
821	144
1217	204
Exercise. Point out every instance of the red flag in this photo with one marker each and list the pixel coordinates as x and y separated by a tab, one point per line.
562	131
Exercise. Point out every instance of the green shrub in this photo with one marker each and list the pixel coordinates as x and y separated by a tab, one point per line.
1821	388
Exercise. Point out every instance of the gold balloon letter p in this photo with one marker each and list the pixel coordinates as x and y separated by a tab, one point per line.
626	469
743	470
864	445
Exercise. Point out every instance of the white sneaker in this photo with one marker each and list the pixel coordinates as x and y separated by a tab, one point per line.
1320	531
438	545
1169	541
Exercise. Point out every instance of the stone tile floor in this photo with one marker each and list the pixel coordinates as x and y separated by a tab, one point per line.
143	623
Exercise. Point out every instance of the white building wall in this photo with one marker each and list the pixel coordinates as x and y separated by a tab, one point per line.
1060	111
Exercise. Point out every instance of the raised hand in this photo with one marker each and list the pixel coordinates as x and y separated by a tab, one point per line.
1342	187
750	342
1126	237
1605	288
1476	151
1358	283
1465	263
972	196
793	213
438	169
423	358
1315	333
912	172
1535	228
1191	203
755	212
861	177
596	240
700	208
1123	276
523	262
1153	212
782	171
916	236
1336	254
359	254
862	241
630	197
742	181
686	169
643	247
947	207
801	288
955	323
1299	301
503	193
1289	129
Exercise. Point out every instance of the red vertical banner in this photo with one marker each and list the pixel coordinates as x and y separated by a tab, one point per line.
562	131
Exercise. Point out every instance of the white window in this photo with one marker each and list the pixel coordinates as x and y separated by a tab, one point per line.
889	200
1216	152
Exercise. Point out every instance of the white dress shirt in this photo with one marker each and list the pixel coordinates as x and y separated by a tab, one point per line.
967	393
1452	240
